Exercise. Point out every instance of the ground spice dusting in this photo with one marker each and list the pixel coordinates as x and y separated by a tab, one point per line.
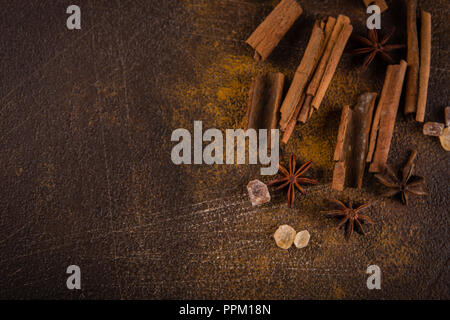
221	93
218	97
316	139
89	173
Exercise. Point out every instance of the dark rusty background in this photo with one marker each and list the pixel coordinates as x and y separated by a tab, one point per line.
85	126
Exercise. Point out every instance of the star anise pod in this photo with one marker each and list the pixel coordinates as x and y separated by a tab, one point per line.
373	46
351	218
293	179
406	184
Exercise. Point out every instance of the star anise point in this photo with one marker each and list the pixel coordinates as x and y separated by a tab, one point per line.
406	184
349	217
292	178
373	46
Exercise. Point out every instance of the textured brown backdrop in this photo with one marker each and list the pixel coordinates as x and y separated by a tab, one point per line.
85	125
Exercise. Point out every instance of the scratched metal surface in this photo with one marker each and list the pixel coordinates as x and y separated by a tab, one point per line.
85	125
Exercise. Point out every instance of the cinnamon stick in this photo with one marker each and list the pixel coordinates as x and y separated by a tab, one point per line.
332	64
304	113
328	28
339	171
301	77
412	57
388	105
331	38
264	101
291	125
447	116
362	119
342	133
328	31
381	3
425	62
269	33
311	111
352	142
389	78
249	103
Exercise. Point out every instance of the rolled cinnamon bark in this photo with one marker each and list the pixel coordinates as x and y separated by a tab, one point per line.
338	182
332	64
342	134
412	57
388	104
332	36
389	79
302	75
264	101
425	63
447	116
291	125
269	33
352	142
362	120
304	112
328	31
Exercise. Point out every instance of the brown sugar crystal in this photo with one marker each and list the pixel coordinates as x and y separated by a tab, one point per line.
434	129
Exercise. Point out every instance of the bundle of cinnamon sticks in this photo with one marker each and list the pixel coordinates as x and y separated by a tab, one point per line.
315	72
418	69
266	90
365	132
312	77
365	136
